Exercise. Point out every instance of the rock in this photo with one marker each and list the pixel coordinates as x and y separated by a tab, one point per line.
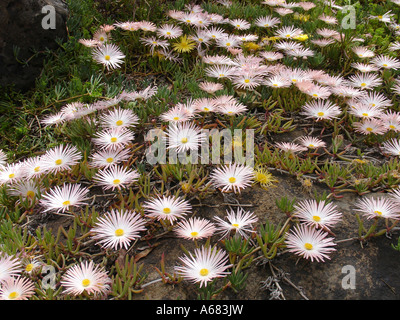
21	26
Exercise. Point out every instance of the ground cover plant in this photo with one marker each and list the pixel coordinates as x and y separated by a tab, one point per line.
194	146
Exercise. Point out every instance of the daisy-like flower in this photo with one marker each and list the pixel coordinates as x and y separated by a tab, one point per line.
117	229
364	67
10	266
17	289
11	172
60	158
394	46
315	91
283	11
300	53
26	189
323	42
216	33
233	177
205	265
363	52
195	228
321	110
288	45
201	37
176	114
288	32
210	87
220	71
128	25
267	22
62	198
102	36
108	157
147	26
228	41
312	142
184	136
365	111
386	17
369	126
90	43
326	33
114	138
231	108
386	62
169	31
328	19
346	91
185	44
391	120
205	105
31	264
271	55
391	147
263	177
239	221
247	81
218	60
310	243
290	147
115	177
119	118
87	277
374	99
378	208
153	43
167	208
240	24
318	214
278	81
109	55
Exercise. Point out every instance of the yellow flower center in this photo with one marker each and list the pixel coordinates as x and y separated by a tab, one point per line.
294	80
101	39
66	203
363	84
316	218
380	17
176	118
236	225
311	145
228	44
385	65
36	169
119	123
13	295
85	282
320	114
107	57
315	95
232	179
110	160
369	129
168	33
119	232
379	213
201	40
116	181
288	36
275	84
246	80
392	127
11	175
221	75
30	194
194	234
166	210
365	114
308	246
114	139
206	109
58	162
184	140
204	272
29	267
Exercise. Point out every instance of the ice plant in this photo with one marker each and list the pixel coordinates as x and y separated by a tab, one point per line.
60	158
108	157
317	213
239	221
114	138
184	136
204	265
119	118
167	208
62	198
117	228
309	243
195	229
108	55
311	142
10	266
17	289
233	177
116	177
378	208
321	110
391	147
263	177
87	277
